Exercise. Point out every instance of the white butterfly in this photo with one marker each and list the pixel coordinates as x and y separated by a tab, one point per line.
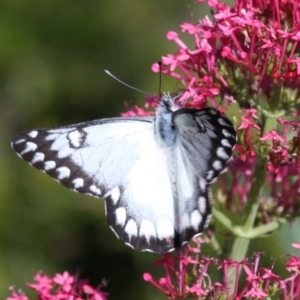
154	172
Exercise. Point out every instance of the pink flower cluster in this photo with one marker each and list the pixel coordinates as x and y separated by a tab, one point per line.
60	287
187	276
250	52
244	60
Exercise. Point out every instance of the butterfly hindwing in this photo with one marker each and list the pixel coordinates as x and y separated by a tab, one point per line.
193	203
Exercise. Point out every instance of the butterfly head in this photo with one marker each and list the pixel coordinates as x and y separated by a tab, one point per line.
168	103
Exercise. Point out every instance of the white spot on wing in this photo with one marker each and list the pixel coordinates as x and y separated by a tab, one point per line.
38	156
209	175
222	122
33	134
78	183
221	153
63	172
114	194
217	165
131	228
227	133
202	184
29	146
164	230
225	143
120	216
49	165
202	205
95	190
196	219
19	141
147	230
75	138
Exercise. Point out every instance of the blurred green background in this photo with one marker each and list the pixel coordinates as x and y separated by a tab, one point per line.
52	57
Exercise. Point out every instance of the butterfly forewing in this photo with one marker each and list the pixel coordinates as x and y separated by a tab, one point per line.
207	137
119	160
205	140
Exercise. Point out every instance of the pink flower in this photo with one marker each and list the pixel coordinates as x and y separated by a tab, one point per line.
17	295
60	287
273	136
64	280
256	292
43	282
94	294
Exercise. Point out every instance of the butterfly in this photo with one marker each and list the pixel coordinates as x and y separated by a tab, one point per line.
154	172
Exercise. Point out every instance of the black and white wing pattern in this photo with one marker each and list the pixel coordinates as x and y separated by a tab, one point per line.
154	172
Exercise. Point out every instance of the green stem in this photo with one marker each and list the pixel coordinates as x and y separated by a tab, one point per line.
256	232
241	243
216	245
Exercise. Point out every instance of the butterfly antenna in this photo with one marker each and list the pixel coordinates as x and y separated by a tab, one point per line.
126	84
159	87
